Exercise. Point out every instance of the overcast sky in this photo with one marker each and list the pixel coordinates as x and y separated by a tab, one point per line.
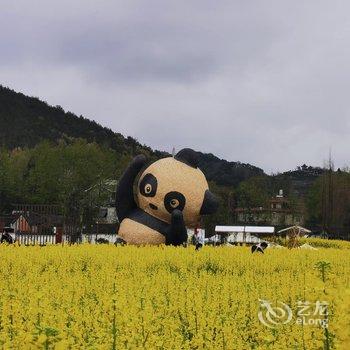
263	82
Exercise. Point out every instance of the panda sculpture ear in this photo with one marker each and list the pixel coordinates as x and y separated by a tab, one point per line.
188	156
210	204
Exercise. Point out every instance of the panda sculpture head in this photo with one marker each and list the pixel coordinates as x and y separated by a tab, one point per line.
176	183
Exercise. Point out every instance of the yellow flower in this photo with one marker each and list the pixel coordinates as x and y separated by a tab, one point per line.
107	297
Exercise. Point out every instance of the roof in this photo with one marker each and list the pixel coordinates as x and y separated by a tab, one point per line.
6	220
34	219
279	200
299	228
249	229
261	210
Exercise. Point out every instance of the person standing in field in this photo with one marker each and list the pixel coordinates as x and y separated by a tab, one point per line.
199	239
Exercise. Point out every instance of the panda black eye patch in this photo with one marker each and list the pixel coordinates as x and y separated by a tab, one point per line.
174	200
148	185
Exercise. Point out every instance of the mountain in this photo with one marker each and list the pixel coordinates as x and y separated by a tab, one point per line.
26	121
226	173
301	178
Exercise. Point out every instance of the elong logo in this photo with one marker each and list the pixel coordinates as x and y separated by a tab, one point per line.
272	316
308	314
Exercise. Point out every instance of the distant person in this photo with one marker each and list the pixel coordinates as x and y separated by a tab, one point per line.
260	247
199	241
6	238
119	241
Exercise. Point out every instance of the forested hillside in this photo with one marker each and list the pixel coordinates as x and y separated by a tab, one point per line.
27	121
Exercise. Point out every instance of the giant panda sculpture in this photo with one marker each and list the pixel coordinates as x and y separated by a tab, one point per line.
155	203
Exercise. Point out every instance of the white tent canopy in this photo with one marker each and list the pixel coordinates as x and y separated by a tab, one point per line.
243	229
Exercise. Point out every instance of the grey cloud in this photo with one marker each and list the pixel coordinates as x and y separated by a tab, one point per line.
264	82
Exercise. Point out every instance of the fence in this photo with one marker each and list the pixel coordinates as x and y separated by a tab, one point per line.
46	239
35	239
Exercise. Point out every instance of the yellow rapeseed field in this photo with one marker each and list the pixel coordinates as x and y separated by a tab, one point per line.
107	297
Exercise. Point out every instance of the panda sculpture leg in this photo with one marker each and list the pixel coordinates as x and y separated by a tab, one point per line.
177	234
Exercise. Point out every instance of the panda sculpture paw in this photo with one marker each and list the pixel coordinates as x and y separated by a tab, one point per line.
178	232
